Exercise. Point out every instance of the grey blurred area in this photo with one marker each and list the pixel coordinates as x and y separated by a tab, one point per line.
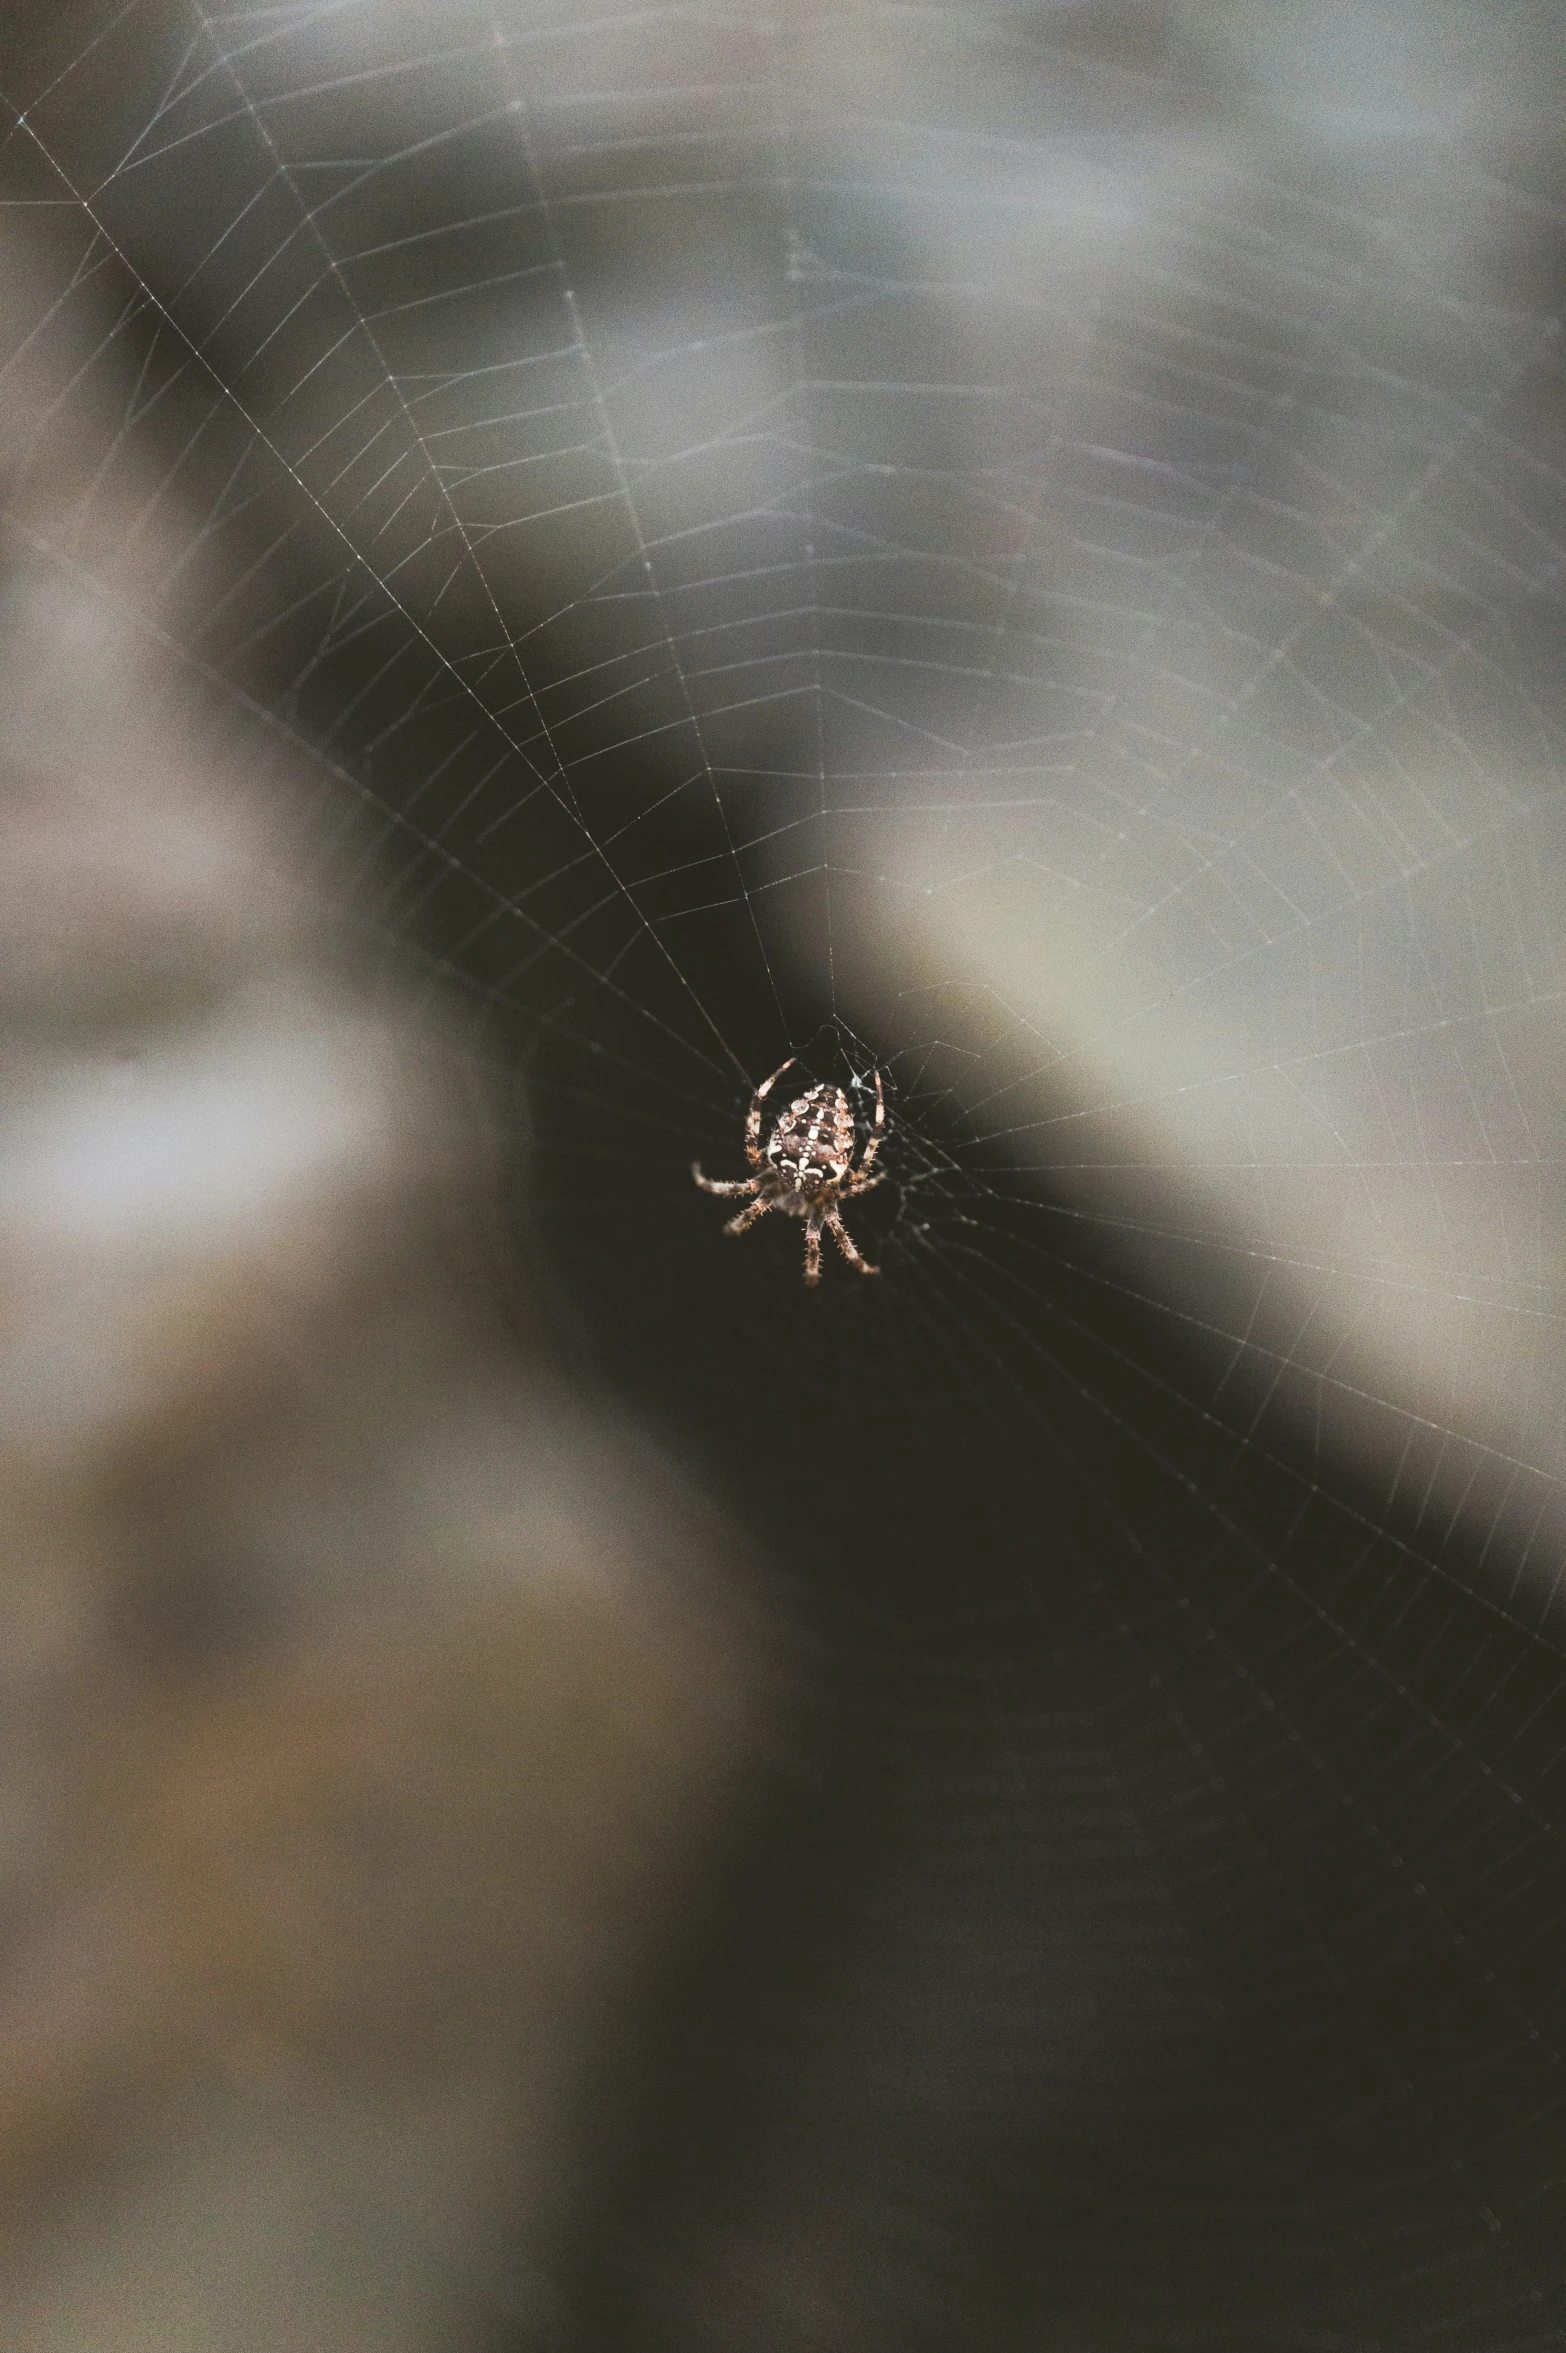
551	1797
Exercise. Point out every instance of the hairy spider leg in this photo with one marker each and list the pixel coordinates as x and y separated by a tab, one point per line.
747	1217
753	1116
862	1177
712	1185
839	1234
813	1247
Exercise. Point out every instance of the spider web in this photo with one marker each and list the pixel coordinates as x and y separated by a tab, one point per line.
1020	549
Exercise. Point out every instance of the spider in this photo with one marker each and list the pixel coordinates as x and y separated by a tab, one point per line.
807	1167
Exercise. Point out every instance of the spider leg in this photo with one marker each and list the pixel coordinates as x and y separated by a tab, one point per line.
874	1144
753	1116
813	1247
840	1236
748	1216
711	1185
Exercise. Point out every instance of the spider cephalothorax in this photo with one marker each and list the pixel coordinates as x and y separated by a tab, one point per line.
807	1168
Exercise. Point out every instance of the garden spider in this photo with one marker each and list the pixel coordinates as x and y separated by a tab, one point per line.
807	1167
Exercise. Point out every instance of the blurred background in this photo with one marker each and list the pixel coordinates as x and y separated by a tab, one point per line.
558	1789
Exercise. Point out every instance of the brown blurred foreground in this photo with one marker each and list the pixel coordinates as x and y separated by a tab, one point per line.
362	1689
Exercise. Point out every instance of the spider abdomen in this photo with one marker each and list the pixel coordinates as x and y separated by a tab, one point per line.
813	1142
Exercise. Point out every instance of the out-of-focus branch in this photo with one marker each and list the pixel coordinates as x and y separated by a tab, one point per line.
364	1691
